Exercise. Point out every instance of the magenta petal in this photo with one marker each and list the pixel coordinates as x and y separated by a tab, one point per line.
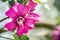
15	6
56	35
32	4
11	13
34	16
29	21
11	26
30	26
20	30
26	10
25	29
22	9
58	28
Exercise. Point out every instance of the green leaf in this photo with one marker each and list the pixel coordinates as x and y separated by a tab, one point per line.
20	1
38	1
24	37
25	1
58	20
16	37
11	2
3	0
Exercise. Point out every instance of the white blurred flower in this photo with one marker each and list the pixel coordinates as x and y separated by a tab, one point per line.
46	6
44	3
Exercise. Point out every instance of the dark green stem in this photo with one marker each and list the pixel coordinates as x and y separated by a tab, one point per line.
2	30
4	19
46	25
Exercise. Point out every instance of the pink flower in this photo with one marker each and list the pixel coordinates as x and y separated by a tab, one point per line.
32	4
56	33
22	18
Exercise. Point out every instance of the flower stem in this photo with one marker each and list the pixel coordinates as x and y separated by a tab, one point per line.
6	38
49	26
4	19
2	30
45	25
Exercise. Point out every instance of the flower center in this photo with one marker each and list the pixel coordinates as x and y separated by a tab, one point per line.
20	21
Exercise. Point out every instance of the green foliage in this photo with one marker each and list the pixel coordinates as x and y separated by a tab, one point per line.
58	20
49	37
11	2
23	37
57	4
15	37
2	30
3	0
38	1
49	26
25	1
22	1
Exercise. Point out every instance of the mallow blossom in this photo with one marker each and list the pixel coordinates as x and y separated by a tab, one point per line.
56	33
23	18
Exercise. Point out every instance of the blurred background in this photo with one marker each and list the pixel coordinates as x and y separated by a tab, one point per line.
43	30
